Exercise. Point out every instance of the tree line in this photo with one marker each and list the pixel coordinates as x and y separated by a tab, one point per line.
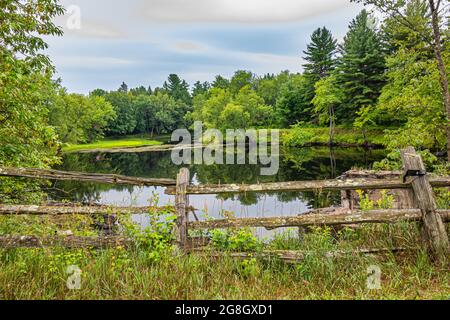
390	74
383	74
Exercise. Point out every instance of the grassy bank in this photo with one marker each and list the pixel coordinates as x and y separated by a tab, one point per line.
110	143
300	137
135	274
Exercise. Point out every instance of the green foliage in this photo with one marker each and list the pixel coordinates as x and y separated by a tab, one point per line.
303	135
221	110
80	119
234	239
360	70
413	98
240	80
320	54
269	87
159	113
178	89
26	88
385	202
23	25
125	120
293	105
157	238
328	97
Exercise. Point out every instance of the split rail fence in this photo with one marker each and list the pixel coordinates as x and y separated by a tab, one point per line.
413	178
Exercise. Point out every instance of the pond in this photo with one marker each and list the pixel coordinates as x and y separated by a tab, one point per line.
295	164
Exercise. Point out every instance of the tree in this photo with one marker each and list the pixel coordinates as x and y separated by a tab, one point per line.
123	88
320	54
141	91
320	62
221	83
234	117
328	97
293	105
360	70
125	122
269	87
159	113
397	10
79	119
241	79
26	139
178	89
208	108
200	88
261	115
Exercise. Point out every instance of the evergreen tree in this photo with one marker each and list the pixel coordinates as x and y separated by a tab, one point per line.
221	83
123	87
360	71
200	88
320	54
178	89
320	62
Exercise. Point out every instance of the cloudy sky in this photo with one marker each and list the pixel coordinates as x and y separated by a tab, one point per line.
142	41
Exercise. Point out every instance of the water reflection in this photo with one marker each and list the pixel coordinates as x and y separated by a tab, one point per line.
295	164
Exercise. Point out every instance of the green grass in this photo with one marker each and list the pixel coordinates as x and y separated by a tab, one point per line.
153	269
136	274
123	142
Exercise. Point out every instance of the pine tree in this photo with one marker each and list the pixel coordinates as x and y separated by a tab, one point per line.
361	68
178	89
320	54
123	87
320	63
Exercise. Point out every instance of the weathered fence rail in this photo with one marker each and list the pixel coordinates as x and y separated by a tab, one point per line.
84	177
78	210
414	179
326	185
350	218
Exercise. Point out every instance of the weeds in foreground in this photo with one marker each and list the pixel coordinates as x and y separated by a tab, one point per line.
134	274
153	269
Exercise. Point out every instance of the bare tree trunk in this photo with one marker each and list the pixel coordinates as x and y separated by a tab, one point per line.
443	74
332	125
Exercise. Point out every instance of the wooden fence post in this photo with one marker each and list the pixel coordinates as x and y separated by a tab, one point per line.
434	229
181	205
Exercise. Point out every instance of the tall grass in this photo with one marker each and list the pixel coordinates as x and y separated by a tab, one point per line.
136	274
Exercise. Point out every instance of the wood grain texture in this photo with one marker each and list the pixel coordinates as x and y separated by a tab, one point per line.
434	228
83	177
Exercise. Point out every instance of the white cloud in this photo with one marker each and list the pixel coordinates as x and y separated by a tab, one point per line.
241	11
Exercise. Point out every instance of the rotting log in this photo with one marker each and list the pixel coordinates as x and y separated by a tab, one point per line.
11	242
83	177
326	185
181	206
318	219
434	228
79	210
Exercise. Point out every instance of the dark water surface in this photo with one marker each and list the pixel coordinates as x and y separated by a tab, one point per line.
295	164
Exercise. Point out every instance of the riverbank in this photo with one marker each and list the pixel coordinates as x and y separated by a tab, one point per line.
319	136
112	143
294	137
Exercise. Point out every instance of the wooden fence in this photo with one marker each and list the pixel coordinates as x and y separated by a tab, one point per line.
414	178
